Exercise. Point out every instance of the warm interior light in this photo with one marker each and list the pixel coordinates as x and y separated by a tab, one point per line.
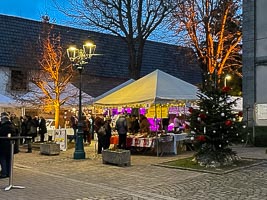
72	53
89	44
89	49
228	77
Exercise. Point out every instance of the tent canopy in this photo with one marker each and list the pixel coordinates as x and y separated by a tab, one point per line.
6	101
156	87
114	89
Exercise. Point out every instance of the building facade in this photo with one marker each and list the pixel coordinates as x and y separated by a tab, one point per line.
19	36
255	68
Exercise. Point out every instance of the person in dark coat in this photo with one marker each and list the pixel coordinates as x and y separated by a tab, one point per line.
16	121
121	127
99	121
135	124
108	132
42	128
74	125
6	128
86	128
34	123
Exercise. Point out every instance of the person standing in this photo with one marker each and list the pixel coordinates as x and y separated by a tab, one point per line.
24	127
42	128
34	124
176	124
74	125
165	124
16	121
135	124
121	127
91	129
144	124
99	122
6	127
108	132
86	128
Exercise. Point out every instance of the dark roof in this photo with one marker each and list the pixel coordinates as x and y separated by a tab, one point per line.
18	36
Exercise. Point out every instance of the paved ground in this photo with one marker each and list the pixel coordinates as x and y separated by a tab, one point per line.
61	177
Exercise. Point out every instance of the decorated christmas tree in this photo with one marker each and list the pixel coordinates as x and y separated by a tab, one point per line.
214	125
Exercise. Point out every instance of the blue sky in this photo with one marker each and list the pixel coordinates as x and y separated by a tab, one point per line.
33	9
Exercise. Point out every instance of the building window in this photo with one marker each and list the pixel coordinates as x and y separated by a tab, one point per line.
18	80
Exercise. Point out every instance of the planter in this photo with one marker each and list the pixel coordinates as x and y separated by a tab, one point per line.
50	149
118	157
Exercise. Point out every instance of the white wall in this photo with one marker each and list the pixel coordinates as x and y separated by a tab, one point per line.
4	80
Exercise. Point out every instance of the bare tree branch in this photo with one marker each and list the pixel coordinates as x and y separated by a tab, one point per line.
131	20
213	30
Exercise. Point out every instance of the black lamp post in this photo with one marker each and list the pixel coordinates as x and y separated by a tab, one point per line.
79	58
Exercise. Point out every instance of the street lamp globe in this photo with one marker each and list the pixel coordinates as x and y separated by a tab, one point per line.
80	57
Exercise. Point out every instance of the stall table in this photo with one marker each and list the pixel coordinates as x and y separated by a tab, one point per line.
165	144
177	139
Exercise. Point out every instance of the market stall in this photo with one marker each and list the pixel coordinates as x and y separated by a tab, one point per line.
167	143
156	88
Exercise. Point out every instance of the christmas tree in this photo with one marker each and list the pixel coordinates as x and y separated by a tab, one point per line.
214	125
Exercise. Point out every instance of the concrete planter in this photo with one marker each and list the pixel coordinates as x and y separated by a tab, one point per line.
50	149
118	157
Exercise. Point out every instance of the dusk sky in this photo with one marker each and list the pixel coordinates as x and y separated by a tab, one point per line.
33	9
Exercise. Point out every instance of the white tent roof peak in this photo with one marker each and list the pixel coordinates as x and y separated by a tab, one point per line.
114	89
156	87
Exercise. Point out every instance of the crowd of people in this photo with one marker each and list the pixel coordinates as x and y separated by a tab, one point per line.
124	124
18	126
101	125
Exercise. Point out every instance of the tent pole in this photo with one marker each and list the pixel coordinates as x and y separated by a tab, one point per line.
157	141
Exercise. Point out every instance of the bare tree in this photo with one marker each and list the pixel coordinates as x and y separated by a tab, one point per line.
54	75
132	20
213	29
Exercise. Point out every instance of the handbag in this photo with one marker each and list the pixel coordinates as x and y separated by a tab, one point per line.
102	131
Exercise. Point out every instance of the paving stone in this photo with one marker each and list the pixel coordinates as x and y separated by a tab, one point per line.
63	178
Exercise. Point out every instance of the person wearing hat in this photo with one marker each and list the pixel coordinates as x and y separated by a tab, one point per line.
6	128
108	132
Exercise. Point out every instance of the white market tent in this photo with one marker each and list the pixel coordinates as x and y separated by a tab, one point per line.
114	89
6	102
157	87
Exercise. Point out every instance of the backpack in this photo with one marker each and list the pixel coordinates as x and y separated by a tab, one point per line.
102	131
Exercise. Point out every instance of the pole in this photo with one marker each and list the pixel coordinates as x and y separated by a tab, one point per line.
215	77
79	148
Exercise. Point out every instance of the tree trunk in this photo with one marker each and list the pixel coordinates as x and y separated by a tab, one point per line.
57	111
135	57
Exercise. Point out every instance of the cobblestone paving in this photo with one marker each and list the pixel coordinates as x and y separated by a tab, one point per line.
61	177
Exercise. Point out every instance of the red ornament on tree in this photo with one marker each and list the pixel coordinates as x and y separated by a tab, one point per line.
240	114
228	123
201	138
190	109
202	116
226	89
